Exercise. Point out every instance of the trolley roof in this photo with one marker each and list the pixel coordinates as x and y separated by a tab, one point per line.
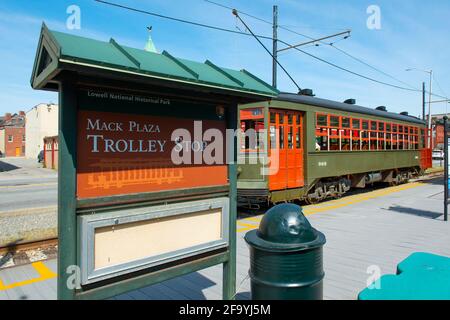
313	101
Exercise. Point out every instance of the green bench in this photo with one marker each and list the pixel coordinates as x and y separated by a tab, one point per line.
422	276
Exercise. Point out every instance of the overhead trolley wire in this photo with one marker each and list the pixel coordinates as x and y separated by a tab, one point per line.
267	50
198	24
439	86
267	38
411	88
329	44
349	71
255	17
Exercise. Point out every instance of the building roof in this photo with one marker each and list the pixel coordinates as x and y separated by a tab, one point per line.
16	121
313	101
58	51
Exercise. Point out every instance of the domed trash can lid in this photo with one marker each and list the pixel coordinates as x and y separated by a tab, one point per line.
285	228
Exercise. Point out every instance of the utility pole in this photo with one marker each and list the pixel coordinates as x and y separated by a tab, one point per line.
275	50
429	113
275	46
429	133
423	101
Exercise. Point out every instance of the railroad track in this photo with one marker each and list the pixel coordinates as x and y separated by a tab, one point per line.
19	247
25	253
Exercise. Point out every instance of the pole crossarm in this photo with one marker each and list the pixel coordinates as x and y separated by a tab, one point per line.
440	101
316	40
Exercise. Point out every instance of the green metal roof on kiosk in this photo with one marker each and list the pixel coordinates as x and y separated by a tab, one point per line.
58	50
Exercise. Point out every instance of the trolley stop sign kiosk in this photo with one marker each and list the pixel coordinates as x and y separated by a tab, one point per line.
145	190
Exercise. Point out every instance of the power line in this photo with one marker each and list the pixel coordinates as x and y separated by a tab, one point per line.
243	13
268	51
311	38
256	18
411	88
372	67
308	27
258	36
320	41
349	71
439	86
178	19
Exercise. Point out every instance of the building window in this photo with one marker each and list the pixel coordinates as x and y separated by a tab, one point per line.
10	138
23	138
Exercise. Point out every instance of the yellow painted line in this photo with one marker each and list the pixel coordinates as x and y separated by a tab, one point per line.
256	219
375	193
28	185
246	229
311	211
44	274
246	225
336	204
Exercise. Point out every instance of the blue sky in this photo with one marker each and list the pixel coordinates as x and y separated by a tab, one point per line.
413	34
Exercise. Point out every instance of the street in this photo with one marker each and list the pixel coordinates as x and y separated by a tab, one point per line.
24	184
28	197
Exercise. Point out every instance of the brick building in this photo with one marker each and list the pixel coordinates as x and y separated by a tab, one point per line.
437	122
12	135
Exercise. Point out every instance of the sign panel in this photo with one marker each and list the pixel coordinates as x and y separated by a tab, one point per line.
122	241
121	153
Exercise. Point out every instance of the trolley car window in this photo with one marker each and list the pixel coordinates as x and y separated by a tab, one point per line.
349	134
298	138
345	122
334	121
373	125
388	127
334	144
290	118
365	125
252	126
388	141
281	137
273	137
322	120
290	140
273	118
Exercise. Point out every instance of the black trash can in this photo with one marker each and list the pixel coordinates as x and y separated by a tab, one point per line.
286	256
